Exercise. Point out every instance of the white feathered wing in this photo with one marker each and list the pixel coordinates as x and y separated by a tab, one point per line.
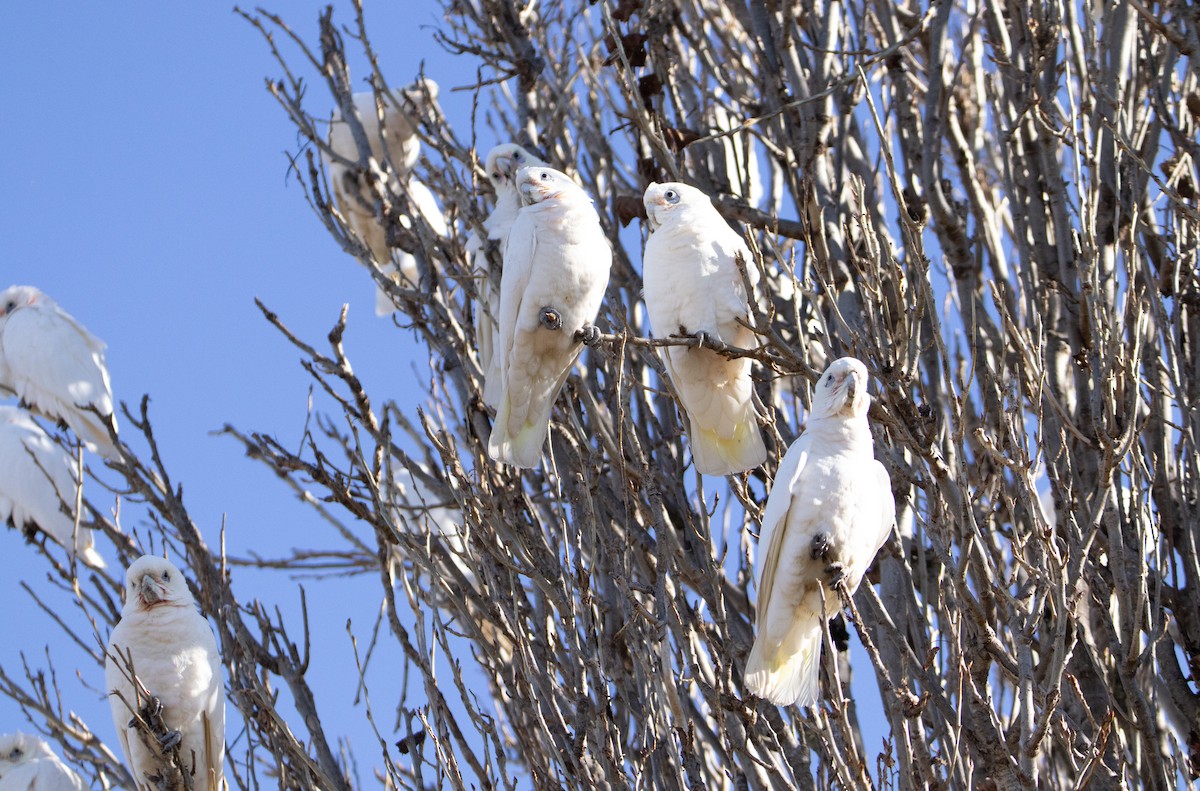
55	366
37	478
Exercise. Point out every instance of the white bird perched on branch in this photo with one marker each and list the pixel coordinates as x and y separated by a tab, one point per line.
691	284
502	163
55	366
355	200
556	266
164	646
418	512
37	477
28	764
414	509
829	511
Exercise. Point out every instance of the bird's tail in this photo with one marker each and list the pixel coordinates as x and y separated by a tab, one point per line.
720	455
789	671
523	449
488	343
405	275
383	303
83	543
94	434
91	557
491	384
485	336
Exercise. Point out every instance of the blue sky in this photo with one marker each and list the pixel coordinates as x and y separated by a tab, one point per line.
145	189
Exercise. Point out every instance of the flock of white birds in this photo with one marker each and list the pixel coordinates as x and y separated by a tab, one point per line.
834	508
56	369
162	669
827	514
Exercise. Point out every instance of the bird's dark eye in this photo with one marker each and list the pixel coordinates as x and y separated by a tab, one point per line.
166	576
10	306
545	174
518	156
17	752
672	196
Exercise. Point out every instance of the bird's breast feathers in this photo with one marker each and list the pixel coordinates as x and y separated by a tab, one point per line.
841	502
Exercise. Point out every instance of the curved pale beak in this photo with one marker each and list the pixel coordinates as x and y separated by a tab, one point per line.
504	164
651	218
149	591
531	191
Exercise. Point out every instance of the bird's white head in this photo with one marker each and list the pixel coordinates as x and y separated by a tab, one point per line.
842	390
504	160
663	201
20	748
14	298
421	91
538	183
152	581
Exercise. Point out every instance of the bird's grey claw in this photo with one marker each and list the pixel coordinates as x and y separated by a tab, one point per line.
170	740
820	546
701	339
550	318
837	574
589	335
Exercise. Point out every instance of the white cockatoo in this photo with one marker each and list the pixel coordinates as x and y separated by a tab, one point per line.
55	366
416	510
691	284
37	477
353	197
28	764
173	653
502	163
829	511
556	265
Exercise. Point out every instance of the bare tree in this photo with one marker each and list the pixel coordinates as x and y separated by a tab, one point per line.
991	204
